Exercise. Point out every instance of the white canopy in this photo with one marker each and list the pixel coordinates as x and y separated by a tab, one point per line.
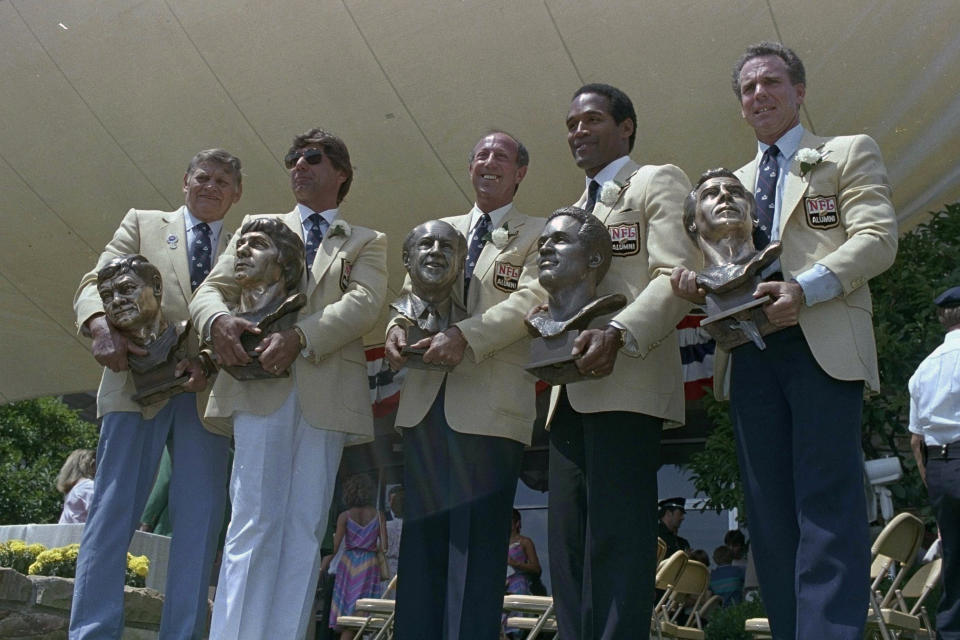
105	101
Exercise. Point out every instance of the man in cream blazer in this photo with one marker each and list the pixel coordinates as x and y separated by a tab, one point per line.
132	437
796	406
464	431
605	433
290	432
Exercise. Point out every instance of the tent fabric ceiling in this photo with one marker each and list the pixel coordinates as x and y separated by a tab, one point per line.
105	101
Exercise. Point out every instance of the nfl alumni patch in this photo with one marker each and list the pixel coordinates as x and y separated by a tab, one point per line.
345	267
506	276
822	212
625	239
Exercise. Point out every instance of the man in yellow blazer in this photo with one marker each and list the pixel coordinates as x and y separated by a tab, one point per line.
182	244
290	431
464	431
796	406
605	432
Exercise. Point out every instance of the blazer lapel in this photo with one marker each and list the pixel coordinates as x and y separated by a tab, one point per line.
176	240
326	252
794	185
490	251
601	210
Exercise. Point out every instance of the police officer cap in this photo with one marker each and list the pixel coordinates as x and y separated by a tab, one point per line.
948	299
673	503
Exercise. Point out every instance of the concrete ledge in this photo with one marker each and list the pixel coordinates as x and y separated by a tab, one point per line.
38	608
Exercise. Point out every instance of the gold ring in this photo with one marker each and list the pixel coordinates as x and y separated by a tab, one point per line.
276	367
593	372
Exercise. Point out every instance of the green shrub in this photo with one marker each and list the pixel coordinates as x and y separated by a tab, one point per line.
727	623
36	436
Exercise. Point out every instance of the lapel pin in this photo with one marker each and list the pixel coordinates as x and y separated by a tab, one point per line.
172	241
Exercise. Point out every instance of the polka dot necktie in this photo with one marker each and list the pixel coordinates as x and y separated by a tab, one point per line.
314	238
766	196
592	196
200	254
480	232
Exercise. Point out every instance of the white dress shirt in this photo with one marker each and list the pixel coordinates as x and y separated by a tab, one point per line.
935	394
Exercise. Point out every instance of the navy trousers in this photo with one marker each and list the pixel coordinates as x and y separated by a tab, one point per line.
943	485
798	444
459	491
602	520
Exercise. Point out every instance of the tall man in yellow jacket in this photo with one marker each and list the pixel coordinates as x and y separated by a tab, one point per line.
796	405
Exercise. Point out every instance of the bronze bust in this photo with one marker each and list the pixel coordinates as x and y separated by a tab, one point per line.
268	267
433	255
719	216
132	291
574	255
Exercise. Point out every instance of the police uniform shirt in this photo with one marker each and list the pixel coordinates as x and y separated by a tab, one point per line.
935	394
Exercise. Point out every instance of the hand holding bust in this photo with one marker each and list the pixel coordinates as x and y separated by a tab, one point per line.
268	267
433	255
574	255
132	290
719	216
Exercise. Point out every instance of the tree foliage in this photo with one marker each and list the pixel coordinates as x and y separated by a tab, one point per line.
36	436
906	331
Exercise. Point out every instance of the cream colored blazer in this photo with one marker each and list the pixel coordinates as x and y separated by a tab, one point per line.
839	215
645	224
345	292
160	237
488	393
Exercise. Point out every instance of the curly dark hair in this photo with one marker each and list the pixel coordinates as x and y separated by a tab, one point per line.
359	491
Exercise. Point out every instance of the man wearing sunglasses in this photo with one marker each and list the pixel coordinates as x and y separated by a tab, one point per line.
290	431
181	244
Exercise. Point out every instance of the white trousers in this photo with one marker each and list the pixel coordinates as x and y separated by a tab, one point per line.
282	484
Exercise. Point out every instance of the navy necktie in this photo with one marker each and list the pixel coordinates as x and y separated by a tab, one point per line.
592	196
314	238
200	253
480	232
767	173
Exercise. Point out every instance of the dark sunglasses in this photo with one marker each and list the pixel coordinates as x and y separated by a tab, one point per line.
312	156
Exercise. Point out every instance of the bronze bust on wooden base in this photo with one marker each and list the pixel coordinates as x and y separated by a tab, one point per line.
719	216
132	291
575	254
433	254
269	268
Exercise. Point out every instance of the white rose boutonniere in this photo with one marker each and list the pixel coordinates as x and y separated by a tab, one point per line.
610	192
500	236
339	228
808	159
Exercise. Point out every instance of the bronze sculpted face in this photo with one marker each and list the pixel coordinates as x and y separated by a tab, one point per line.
257	260
573	248
131	290
433	254
724	209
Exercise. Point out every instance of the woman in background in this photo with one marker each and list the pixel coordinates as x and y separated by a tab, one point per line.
75	480
360	529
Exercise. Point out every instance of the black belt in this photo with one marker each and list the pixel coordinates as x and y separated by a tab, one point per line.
949	451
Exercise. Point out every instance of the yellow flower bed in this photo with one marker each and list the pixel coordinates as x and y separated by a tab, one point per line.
36	560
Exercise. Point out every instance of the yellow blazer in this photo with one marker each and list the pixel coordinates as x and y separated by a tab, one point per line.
161	237
646	224
857	242
488	393
345	293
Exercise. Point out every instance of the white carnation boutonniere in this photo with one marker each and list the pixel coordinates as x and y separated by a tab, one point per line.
808	159
610	192
339	228
501	236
